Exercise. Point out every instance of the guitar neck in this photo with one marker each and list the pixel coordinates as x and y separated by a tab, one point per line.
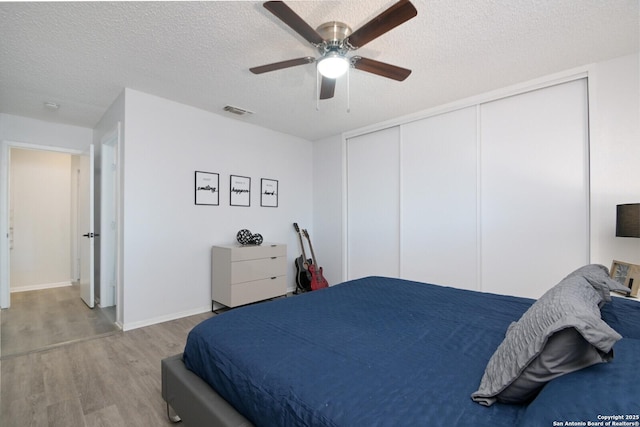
313	255
304	255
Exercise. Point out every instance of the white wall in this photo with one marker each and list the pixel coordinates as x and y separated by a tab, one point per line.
40	219
167	238
614	100
32	131
615	155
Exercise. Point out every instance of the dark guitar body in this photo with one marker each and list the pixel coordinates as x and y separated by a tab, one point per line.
303	277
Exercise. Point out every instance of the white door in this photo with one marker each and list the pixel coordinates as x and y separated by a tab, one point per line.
373	241
439	188
85	226
535	189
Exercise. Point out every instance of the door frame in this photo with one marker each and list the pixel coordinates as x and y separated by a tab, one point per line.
110	200
5	162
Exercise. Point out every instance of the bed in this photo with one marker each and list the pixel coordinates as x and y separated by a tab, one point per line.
381	351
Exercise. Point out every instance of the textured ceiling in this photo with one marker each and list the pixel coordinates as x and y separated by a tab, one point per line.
82	54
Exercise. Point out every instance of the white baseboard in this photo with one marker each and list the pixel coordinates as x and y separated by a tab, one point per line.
40	287
166	318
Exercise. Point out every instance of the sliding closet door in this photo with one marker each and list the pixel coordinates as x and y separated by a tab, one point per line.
439	203
373	204
534	189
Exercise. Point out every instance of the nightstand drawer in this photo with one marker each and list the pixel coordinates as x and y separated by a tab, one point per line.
248	292
243	253
255	269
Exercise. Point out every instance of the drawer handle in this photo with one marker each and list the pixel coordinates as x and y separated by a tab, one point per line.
274	257
273	278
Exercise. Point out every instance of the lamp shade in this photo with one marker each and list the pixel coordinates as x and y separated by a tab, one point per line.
333	65
628	220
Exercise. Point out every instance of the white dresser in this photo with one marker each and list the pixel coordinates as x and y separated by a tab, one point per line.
245	274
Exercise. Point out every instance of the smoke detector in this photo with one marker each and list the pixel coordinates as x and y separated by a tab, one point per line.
51	105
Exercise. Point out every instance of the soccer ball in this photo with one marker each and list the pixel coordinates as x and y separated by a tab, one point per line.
244	236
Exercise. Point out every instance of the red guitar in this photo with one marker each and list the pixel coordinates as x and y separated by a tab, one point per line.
317	279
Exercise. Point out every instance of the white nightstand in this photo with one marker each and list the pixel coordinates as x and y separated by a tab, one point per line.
245	274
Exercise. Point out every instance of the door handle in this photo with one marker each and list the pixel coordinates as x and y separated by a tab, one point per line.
91	235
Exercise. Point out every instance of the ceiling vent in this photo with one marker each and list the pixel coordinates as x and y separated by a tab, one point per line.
237	110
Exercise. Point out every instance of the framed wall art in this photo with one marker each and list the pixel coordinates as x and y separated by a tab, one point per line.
269	193
627	275
207	188
240	190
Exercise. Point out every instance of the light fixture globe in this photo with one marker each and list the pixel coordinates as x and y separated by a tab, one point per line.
333	65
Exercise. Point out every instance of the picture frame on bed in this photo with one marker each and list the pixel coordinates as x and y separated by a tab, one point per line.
627	275
269	193
240	190
207	188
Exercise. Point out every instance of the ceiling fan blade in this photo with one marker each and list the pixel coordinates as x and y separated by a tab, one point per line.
397	14
327	88
380	68
293	20
282	64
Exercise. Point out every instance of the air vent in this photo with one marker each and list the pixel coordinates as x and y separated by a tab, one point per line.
237	110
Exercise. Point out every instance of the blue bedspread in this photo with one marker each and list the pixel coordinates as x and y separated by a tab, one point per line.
388	352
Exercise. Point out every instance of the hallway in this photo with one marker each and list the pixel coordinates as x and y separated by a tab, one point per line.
39	320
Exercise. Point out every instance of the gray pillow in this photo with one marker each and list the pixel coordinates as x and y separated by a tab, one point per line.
523	359
565	351
598	276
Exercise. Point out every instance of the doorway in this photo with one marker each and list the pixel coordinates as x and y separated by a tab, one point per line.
43	304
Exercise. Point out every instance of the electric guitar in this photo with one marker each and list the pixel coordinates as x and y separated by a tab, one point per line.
317	279
303	276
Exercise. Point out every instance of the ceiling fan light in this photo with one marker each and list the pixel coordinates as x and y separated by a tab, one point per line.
333	65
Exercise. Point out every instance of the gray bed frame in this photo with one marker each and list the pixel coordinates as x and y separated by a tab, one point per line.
192	400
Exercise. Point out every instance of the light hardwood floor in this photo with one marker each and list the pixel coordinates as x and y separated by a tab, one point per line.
109	381
45	318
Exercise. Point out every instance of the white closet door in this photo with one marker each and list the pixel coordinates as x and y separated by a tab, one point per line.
373	204
439	203
534	189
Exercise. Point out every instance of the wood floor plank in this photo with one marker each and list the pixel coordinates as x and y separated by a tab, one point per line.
89	378
105	417
65	413
58	376
25	411
26	377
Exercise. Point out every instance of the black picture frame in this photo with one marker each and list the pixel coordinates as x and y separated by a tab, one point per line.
239	190
207	188
269	193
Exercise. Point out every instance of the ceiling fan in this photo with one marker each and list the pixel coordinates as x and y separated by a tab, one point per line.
334	40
